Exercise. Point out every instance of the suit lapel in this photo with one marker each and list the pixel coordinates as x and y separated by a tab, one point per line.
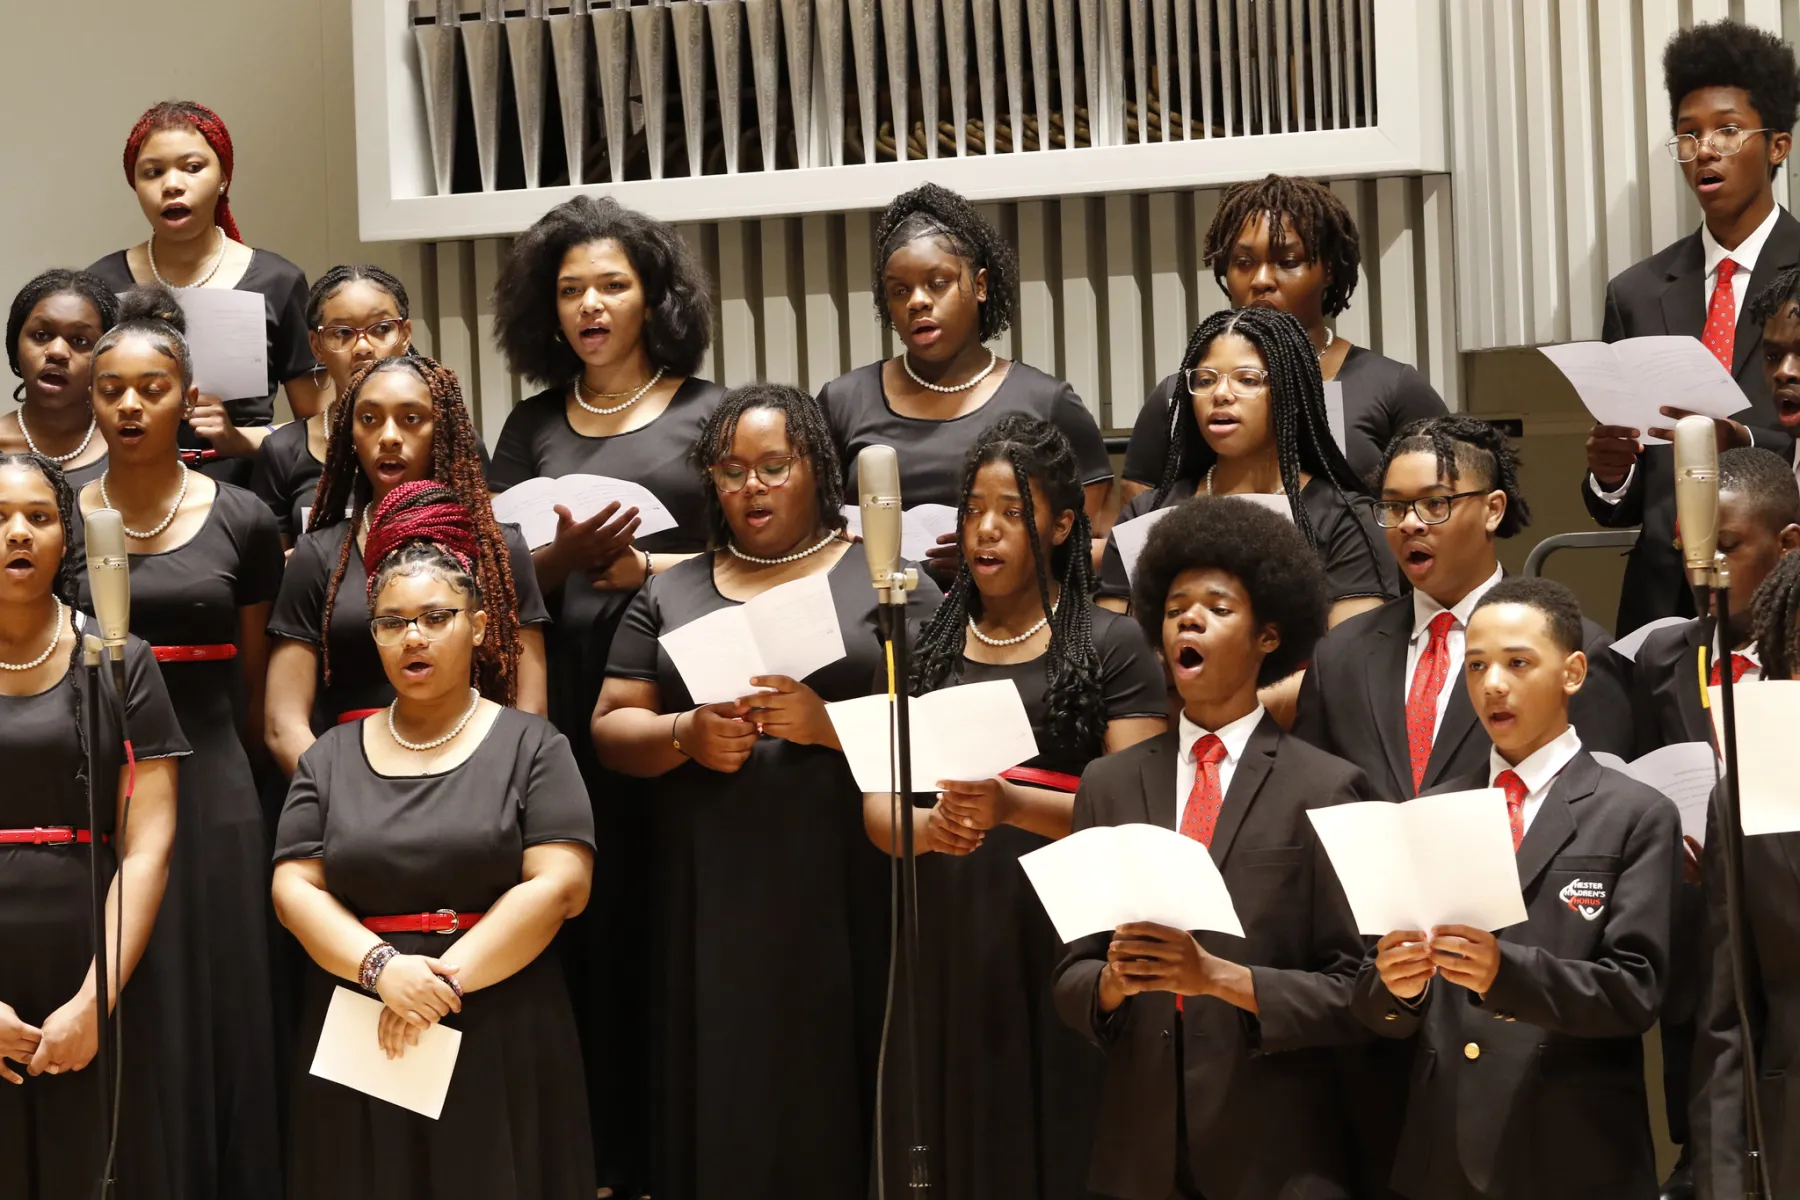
1684	299
1385	677
1554	825
1158	775
1781	251
1246	781
1458	726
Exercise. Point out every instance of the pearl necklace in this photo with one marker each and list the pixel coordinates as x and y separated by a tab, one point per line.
58	459
993	361
434	743
581	387
55	637
786	558
1209	475
146	535
1329	338
1011	641
150	253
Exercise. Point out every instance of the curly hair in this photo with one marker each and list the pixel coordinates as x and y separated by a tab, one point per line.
1731	54
186	114
1303	440
930	211
151	311
1780	291
807	430
1776	609
331	281
677	294
455	463
1306	208
1467	448
1278	570
1039	453
59	282
1561	610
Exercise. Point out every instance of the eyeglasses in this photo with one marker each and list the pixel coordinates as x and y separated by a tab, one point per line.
339	338
1685	147
1243	382
433	625
734	477
1431	510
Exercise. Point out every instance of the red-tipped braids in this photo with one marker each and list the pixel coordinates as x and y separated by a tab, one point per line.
455	464
186	114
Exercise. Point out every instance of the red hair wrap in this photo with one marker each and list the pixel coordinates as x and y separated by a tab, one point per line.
421	511
185	114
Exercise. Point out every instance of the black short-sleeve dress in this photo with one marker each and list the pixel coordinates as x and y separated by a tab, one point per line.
1010	1092
358	682
49	1125
768	951
1382	396
1351	548
514	1124
208	956
603	945
931	451
285	476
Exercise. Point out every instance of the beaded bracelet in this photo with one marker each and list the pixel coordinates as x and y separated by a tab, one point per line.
455	987
373	963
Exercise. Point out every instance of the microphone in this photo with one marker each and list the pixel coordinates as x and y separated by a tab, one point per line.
109	580
1697	496
878	489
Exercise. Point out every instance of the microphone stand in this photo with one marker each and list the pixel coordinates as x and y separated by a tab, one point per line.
104	1049
1729	831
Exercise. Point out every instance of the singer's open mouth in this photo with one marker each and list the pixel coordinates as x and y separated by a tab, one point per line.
129	431
20	565
176	213
390	470
1189	658
52	377
416	668
1500	718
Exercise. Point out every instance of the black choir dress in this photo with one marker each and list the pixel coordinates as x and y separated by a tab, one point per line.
208	957
357	680
514	1123
768	953
1010	1093
931	452
1351	547
49	1125
603	946
285	476
1382	396
80	477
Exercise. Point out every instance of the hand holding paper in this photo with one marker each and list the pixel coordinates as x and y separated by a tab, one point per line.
1627	383
532	504
351	1053
968	732
920	527
789	630
1112	875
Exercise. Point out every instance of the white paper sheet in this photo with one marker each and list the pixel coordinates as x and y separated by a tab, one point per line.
1682	771
1626	383
350	1053
1628	646
970	732
1334	410
532	504
920	527
1768	714
229	341
1098	879
789	630
1437	860
1131	536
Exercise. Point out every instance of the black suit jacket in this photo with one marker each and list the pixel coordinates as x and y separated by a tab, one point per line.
1666	702
1265	1117
1353	703
1664	294
1536	1090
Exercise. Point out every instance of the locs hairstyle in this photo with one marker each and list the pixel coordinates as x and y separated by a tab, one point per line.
186	114
1037	452
58	282
807	431
1776	607
1305	208
930	211
1467	451
677	294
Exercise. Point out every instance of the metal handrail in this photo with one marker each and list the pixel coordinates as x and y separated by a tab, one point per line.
1597	539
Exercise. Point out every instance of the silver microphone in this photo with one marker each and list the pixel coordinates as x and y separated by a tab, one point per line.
878	490
1697	496
109	581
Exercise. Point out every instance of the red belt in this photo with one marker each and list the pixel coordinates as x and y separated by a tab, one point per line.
1056	781
190	457
356	714
48	836
193	654
444	920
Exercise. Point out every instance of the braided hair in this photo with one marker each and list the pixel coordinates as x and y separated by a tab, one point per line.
331	281
455	463
1781	291
930	211
424	526
150	311
1039	453
1304	207
1466	447
807	431
1303	440
186	114
1776	608
95	290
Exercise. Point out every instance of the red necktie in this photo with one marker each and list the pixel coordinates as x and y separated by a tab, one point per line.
1421	702
1721	316
1515	804
1739	664
1201	816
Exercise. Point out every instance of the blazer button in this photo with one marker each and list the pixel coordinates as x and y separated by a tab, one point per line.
1471	1052
1391	1016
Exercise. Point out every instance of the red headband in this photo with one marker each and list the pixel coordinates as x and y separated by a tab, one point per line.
444	523
175	114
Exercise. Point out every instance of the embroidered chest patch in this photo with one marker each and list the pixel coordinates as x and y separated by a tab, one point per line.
1585	897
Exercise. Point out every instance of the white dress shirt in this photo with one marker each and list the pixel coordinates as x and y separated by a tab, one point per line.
1235	736
1539	770
1424	609
1745	256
